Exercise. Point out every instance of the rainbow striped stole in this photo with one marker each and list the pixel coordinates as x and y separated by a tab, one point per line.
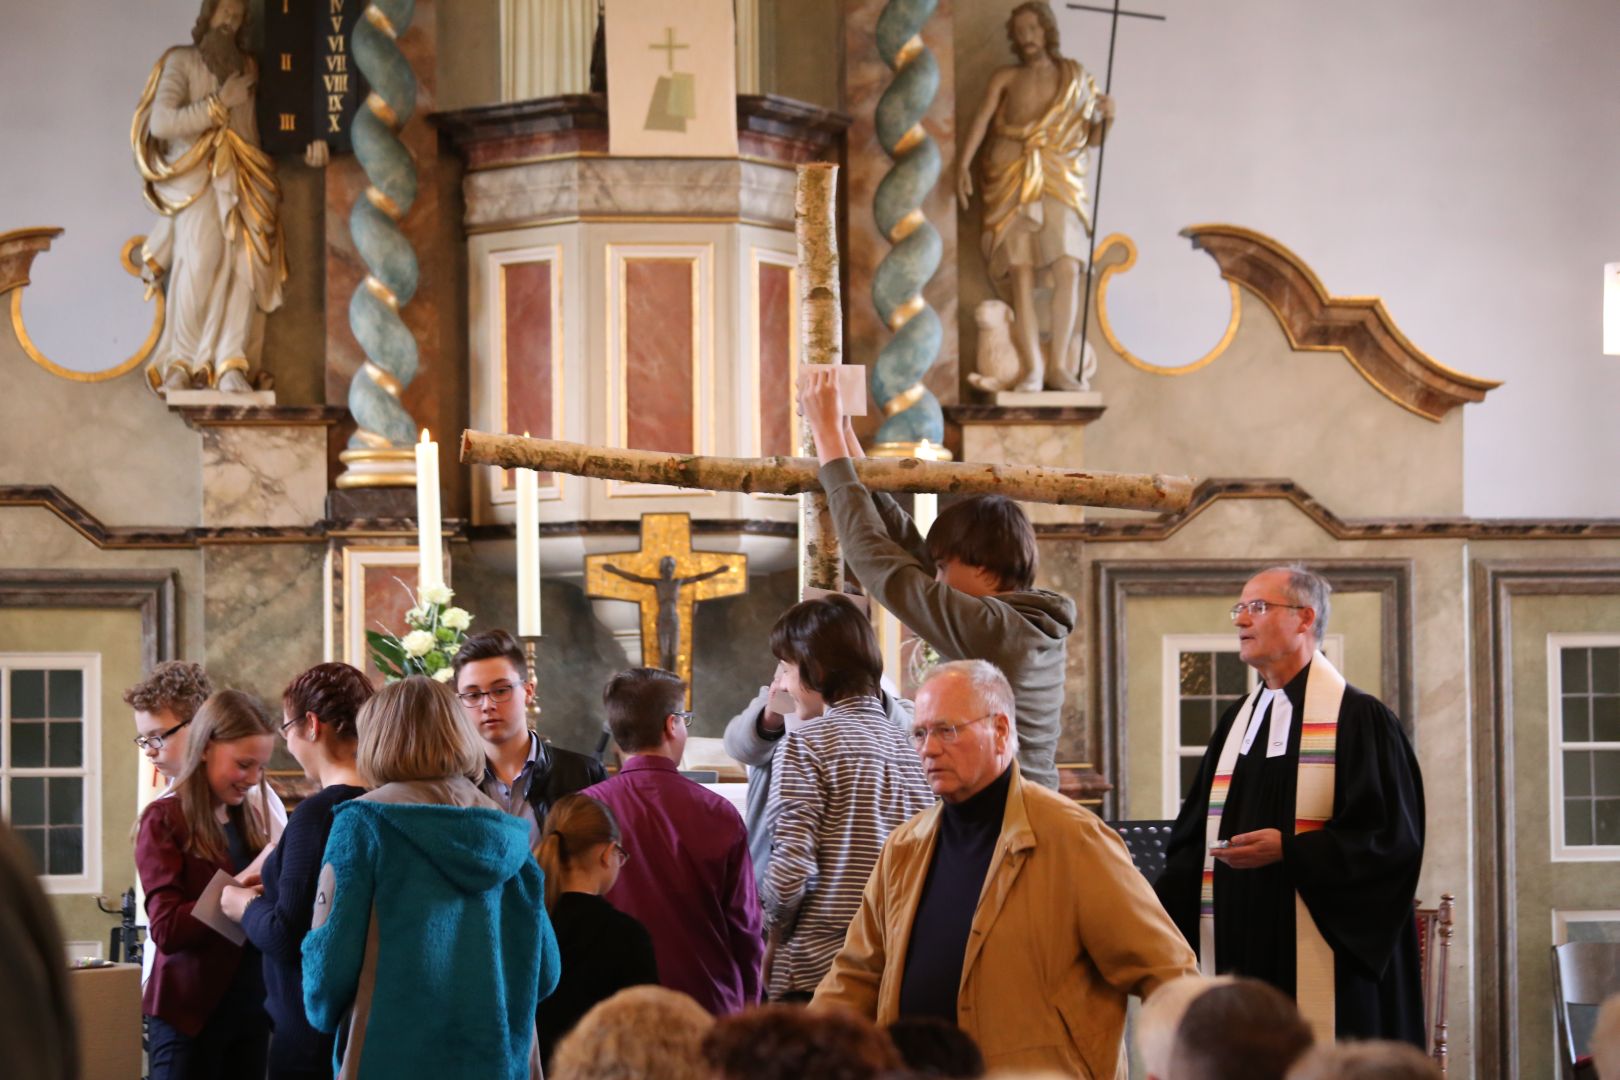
1313	805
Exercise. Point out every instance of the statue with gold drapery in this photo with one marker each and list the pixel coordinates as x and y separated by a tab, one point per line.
217	248
1041	115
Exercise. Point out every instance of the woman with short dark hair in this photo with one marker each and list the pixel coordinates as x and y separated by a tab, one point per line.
319	711
840	783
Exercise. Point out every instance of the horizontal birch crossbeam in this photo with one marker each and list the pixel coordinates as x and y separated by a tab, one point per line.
793	475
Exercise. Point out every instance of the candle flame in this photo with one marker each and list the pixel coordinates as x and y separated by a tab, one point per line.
424	435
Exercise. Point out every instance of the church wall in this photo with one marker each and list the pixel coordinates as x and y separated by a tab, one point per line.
469	63
115	635
262	613
1264	410
792	70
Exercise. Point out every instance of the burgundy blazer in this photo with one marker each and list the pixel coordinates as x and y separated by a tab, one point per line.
193	965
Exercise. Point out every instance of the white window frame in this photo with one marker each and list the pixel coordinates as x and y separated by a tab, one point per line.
1556	644
1171	749
89	881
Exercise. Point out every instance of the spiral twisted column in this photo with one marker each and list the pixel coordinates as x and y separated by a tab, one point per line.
380	450
913	422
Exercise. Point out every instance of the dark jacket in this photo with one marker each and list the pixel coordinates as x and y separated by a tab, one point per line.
194	964
558	772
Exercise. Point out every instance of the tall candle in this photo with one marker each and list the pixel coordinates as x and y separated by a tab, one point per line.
429	528
528	552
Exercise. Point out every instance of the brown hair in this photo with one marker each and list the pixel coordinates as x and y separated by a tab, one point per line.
1374	1060
785	1042
575	825
487	646
415	730
334	693
642	1031
225	717
180	686
832	644
988	531
1049	27
638	701
199	29
1246	1030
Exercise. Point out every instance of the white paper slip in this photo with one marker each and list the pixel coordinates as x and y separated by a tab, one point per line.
782	703
207	910
852	388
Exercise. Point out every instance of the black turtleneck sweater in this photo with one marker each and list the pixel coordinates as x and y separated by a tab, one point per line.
968	831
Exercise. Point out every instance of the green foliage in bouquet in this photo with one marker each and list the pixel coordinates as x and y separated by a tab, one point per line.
435	635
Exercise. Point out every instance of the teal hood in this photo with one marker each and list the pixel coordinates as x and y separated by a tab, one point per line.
475	849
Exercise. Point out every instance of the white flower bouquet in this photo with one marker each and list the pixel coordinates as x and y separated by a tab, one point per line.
435	635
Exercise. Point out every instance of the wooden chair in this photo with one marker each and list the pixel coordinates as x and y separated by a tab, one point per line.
1584	974
1434	929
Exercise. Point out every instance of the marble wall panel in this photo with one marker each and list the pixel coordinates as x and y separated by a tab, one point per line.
263	475
865	78
262	604
660	353
775	315
386	593
1055	445
527	351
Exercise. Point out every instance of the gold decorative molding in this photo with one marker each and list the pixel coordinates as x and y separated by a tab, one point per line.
1359	327
1107	326
17	251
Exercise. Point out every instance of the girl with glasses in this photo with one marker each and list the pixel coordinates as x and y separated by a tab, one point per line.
603	949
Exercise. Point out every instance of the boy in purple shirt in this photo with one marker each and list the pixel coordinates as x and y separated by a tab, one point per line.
689	879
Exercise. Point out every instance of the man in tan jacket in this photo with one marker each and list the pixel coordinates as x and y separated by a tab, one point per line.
1006	909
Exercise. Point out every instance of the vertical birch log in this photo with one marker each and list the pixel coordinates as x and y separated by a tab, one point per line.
815	202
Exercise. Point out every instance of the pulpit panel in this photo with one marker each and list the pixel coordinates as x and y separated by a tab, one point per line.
530	372
775	351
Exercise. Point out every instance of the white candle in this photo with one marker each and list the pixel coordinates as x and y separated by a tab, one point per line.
528	552
924	509
1611	309
429	528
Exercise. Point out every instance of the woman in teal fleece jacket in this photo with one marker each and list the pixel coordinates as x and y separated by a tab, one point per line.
430	946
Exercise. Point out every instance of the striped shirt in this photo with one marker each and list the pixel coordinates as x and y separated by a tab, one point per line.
839	785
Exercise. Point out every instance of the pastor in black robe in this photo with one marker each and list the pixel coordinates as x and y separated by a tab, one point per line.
1357	875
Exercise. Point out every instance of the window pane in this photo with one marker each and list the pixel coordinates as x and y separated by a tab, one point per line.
1606	670
1606	719
1606	772
34	841
1607	818
27	800
65	851
1195	722
1577	772
1189	772
1573	664
1577	718
67	745
66	697
66	802
27	695
1577	822
1195	674
28	745
1231	676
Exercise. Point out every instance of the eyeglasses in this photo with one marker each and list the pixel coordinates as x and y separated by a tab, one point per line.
474	699
684	717
945	733
289	723
155	742
1258	608
618	849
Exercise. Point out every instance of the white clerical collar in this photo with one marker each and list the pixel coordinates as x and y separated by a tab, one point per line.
1282	715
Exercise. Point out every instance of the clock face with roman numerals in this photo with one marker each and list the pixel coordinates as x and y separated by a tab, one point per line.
309	86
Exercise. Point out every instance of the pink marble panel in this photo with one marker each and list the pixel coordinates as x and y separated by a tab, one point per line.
775	317
385	604
526	293
659	316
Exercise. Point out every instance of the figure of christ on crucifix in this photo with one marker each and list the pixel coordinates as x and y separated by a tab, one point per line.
666	579
667	588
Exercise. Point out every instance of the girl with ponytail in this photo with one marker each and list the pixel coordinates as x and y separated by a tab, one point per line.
603	949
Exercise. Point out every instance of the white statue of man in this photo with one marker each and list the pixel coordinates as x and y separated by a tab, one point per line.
1043	114
218	243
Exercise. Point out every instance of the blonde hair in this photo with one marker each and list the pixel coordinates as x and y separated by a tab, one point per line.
575	825
415	730
642	1031
225	717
